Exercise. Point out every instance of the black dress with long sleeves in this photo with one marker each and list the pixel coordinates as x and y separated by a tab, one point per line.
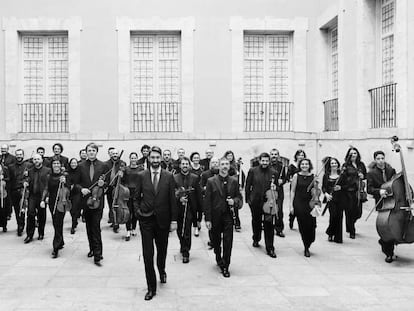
351	204
302	210
334	229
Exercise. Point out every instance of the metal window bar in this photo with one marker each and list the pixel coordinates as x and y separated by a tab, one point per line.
44	118
268	116
384	106
156	117
331	115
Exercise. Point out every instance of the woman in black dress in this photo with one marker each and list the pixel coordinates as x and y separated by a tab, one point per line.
354	172
75	194
301	197
332	192
130	180
292	170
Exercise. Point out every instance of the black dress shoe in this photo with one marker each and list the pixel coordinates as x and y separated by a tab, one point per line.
4	229
307	253
389	259
127	238
225	272
90	254
255	244
97	262
149	295
72	231
186	259
163	278
55	254
19	233
272	254
28	239
352	235
40	237
280	234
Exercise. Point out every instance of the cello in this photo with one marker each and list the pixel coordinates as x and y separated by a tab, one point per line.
395	219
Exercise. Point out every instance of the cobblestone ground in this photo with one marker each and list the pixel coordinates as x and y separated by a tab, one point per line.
348	276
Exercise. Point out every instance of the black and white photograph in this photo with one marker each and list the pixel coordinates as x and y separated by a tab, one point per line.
181	155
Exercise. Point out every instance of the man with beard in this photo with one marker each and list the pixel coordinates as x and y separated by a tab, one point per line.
280	180
188	194
92	173
114	164
167	162
214	164
18	174
155	206
222	197
180	155
38	178
258	182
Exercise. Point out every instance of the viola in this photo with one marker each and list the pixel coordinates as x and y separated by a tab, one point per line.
270	208
62	202
395	219
315	202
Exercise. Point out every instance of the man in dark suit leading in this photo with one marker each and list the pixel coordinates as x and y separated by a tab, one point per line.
222	196
156	209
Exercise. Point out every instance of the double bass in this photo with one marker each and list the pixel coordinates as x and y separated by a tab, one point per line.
395	219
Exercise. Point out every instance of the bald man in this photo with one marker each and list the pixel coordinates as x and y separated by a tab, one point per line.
38	178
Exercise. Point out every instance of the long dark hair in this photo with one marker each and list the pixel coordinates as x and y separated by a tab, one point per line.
348	156
328	165
232	162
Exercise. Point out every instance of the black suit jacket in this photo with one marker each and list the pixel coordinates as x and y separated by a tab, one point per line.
161	203
215	203
194	198
85	181
257	183
375	180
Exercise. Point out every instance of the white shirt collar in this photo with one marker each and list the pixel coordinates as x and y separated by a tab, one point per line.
152	170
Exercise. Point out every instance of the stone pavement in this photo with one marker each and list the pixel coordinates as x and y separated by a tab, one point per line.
350	276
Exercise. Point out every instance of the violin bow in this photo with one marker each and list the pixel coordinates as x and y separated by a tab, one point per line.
317	175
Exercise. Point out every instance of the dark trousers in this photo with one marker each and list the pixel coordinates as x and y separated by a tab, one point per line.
353	210
335	221
75	212
109	199
222	230
387	247
150	232
279	225
16	197
184	235
4	211
197	217
258	224
33	211
237	223
93	229
58	219
132	222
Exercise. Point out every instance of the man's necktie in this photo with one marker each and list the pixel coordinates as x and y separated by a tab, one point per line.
91	171
155	180
384	177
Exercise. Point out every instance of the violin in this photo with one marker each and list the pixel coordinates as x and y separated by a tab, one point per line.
121	197
62	202
97	192
270	208
315	202
3	191
395	219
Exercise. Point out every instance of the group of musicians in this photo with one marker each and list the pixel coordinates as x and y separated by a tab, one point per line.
167	194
